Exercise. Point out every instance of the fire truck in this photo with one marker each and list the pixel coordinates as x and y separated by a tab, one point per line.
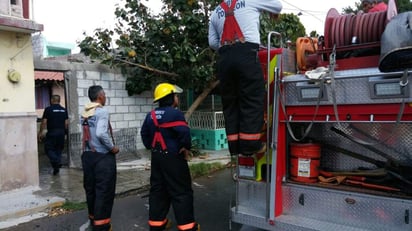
338	129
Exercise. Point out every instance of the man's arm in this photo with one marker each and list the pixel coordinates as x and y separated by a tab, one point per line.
66	125
43	126
145	133
213	38
66	121
102	133
213	34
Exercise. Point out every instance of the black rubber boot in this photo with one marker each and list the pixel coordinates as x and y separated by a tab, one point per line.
105	227
195	228
166	226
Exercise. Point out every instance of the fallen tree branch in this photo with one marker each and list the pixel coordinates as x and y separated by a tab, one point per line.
149	68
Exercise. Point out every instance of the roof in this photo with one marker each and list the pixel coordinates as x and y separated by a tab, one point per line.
48	75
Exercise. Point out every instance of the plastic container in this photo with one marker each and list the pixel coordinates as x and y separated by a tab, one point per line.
304	162
306	56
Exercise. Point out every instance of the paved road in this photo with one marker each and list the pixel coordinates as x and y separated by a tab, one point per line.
213	194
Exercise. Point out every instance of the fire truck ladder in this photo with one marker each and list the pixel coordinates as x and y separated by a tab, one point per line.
258	192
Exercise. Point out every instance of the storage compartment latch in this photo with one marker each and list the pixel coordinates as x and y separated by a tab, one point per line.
302	199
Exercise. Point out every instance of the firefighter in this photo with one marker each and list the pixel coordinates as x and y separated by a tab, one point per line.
167	134
98	160
234	33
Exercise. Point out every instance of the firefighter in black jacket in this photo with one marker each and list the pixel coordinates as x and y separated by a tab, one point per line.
167	134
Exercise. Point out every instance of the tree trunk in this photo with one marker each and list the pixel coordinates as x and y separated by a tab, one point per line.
200	98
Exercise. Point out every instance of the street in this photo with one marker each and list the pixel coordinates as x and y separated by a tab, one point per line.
213	194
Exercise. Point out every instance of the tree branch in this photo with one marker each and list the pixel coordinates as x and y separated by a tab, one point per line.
212	84
149	68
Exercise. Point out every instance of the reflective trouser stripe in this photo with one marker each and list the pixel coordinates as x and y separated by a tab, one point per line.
102	222
186	226
243	136
157	223
249	136
232	137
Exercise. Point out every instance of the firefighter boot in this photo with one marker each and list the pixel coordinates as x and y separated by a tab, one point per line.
105	227
166	226
195	228
90	224
261	149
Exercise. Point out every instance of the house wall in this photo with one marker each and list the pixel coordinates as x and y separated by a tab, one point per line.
16	54
18	138
126	112
58	89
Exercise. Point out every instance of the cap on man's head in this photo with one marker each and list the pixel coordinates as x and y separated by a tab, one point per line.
368	1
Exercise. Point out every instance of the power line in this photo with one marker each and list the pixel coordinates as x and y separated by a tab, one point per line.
302	10
312	11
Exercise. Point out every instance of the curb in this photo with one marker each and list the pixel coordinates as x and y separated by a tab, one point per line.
23	205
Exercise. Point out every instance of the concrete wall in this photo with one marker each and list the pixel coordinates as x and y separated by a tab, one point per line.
18	138
18	151
126	112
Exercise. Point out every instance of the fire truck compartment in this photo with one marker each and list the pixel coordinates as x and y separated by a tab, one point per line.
356	86
365	112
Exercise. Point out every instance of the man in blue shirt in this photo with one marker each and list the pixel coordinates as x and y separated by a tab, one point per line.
98	160
55	118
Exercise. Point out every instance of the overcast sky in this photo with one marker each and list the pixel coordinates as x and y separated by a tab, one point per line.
65	20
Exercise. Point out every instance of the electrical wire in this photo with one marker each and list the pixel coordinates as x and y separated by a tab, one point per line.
302	10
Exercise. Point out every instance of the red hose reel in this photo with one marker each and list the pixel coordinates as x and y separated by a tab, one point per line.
349	29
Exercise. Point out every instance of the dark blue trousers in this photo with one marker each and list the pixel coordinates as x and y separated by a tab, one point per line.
53	146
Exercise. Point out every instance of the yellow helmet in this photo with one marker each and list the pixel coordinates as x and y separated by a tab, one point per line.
164	89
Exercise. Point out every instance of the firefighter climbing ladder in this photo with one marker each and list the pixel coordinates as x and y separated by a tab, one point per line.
247	175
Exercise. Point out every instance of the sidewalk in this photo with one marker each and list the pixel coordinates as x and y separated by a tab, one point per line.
133	172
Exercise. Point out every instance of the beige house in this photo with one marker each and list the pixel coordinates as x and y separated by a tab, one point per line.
18	131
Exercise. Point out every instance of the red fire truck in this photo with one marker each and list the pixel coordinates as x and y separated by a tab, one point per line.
339	131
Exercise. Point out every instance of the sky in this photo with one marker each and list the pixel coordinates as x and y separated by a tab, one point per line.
65	21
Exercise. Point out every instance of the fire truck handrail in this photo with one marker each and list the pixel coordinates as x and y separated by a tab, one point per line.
346	74
270	197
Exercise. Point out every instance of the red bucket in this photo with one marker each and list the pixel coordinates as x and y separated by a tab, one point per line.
304	162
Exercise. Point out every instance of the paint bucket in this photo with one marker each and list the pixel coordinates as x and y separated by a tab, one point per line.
304	162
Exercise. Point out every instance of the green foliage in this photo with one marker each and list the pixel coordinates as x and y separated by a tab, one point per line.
402	5
352	9
196	151
288	25
201	169
74	206
174	42
313	34
171	46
